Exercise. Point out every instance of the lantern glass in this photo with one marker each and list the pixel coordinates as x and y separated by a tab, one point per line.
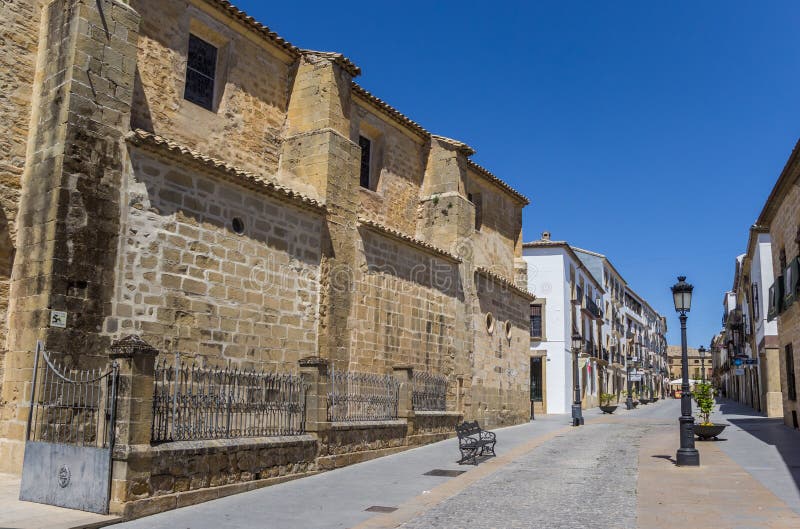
682	295
577	341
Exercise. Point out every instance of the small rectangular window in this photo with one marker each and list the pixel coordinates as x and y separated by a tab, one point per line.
791	384
536	321
756	307
366	148
201	69
478	202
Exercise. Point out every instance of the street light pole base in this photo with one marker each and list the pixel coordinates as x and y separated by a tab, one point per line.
577	415
688	457
629	403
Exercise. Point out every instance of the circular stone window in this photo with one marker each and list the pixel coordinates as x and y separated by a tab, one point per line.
490	322
238	225
508	330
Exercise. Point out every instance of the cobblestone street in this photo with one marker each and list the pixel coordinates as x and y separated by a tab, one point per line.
585	478
616	472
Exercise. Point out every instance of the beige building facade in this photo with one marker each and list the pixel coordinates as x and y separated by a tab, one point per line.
179	172
780	215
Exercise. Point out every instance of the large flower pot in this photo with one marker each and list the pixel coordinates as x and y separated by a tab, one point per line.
635	403
708	431
608	409
655	399
644	401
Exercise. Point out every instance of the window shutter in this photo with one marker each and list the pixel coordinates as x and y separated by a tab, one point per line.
790	283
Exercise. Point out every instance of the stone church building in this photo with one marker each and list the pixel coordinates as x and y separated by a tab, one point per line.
177	171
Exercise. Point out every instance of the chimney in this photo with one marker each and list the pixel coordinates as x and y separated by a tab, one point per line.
545	235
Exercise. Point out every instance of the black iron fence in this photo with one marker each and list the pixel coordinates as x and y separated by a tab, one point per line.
71	406
362	397
191	402
430	392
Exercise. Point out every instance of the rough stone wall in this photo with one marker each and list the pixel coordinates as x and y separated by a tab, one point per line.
68	219
500	361
178	474
19	36
783	232
245	126
189	283
496	243
397	171
404	308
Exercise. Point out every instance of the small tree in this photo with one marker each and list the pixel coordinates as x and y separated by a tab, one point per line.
703	395
606	398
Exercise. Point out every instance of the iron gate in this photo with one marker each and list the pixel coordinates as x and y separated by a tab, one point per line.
70	435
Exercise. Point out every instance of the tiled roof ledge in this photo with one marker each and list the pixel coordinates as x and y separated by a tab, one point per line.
497	278
458	145
337	58
408	239
154	142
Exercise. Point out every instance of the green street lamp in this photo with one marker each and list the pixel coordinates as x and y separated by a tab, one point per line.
687	454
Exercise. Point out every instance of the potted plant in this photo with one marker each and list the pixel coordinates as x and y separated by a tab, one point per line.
645	393
634	397
605	403
703	395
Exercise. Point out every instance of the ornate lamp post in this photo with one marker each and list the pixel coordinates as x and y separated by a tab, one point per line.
687	454
702	350
629	399
577	414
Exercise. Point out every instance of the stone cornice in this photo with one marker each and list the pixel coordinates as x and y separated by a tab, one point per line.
164	147
408	239
497	278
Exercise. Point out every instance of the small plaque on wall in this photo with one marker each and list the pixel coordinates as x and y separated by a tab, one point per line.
58	318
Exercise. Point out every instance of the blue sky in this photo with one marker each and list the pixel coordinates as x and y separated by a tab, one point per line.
648	131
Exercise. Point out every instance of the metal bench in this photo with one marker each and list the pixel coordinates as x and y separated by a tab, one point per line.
473	441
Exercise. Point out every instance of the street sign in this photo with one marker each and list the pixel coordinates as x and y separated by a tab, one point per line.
636	378
738	371
751	361
737	361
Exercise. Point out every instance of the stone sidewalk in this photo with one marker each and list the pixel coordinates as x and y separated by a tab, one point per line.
18	514
719	493
617	472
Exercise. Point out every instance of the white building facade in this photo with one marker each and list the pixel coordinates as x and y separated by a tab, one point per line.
568	299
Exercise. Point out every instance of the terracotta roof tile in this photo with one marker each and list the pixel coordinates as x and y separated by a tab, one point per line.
256	26
348	65
507	283
246	179
391	111
395	234
460	145
492	178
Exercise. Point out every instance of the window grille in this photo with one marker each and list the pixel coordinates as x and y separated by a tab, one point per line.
536	321
201	69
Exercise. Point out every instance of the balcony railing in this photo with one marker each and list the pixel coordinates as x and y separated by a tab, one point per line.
591	307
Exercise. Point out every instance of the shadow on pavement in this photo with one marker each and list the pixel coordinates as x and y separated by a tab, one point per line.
771	431
666	458
735	408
